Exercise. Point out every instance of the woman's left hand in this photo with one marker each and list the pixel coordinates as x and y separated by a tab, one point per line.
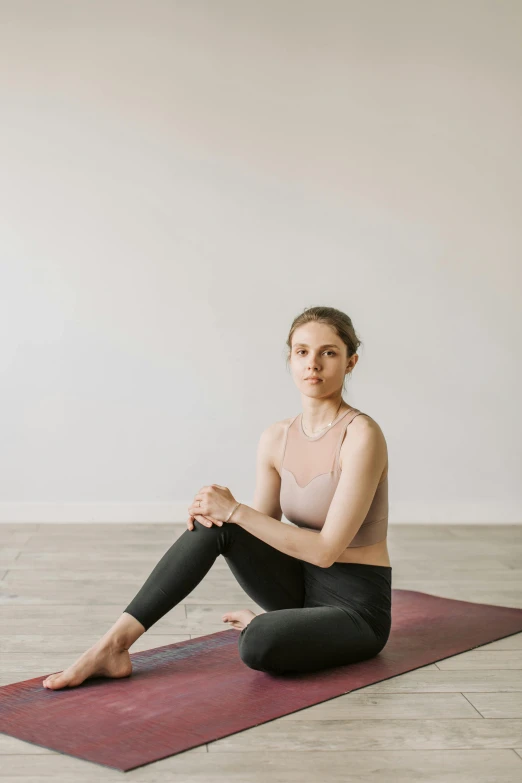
216	503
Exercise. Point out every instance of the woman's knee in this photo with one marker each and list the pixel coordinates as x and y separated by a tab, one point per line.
200	526
212	533
258	647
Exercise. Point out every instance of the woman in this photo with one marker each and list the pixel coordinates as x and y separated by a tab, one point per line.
325	581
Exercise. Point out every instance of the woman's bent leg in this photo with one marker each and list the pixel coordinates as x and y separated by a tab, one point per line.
307	640
272	579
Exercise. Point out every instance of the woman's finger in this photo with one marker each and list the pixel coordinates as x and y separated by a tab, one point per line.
207	521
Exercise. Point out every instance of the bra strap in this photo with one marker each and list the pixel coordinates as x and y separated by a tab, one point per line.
285	439
341	439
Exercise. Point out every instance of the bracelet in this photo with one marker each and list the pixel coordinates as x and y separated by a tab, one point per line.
226	520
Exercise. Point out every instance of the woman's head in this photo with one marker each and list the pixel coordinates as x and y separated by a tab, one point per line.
322	342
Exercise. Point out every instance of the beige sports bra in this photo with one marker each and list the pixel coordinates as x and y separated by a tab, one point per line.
310	471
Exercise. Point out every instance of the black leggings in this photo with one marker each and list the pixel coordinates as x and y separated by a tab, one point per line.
315	617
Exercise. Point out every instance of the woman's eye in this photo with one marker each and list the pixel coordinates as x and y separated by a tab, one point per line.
332	352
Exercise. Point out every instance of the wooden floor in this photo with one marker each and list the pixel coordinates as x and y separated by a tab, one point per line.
62	587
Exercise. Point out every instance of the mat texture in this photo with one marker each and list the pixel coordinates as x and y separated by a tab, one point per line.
186	694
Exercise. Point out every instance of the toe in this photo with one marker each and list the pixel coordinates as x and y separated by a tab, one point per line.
56	681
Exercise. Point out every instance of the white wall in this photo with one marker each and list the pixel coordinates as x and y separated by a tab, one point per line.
180	179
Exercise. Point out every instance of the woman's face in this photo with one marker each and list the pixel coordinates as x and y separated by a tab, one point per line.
317	350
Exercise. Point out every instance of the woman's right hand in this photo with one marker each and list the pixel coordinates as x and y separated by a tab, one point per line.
207	521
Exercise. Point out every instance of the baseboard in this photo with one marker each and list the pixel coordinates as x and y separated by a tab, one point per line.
176	512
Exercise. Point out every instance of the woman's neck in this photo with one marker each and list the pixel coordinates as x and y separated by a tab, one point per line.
318	416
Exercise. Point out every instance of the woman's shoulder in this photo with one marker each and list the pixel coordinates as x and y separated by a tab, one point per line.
363	421
272	440
278	427
365	427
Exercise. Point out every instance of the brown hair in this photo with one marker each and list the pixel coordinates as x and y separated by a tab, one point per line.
338	320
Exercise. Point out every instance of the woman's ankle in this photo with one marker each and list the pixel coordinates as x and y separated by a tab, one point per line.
124	632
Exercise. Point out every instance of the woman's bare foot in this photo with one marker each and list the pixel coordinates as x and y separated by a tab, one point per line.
101	660
239	619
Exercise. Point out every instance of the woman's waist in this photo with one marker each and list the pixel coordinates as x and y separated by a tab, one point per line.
371	554
355	584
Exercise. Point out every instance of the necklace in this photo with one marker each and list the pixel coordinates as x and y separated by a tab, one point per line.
328	425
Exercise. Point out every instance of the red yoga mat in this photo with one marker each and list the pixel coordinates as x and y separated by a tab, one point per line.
178	696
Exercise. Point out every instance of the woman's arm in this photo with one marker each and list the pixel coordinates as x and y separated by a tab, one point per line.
294	541
263	520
